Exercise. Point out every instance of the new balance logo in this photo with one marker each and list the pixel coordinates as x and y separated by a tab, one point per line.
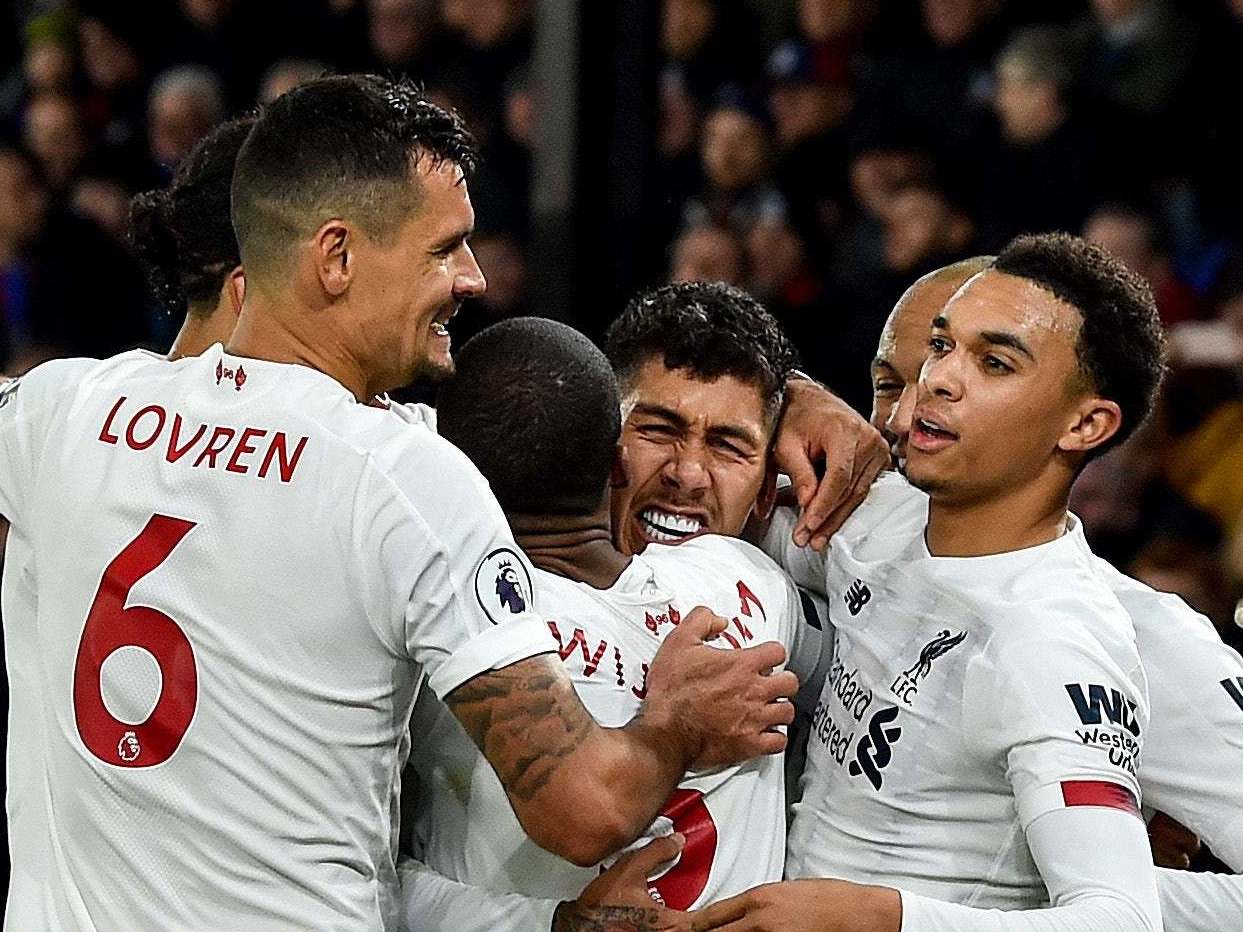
875	749
857	596
1098	705
1235	689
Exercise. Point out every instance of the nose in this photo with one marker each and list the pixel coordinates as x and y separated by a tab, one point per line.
686	471
941	375
469	281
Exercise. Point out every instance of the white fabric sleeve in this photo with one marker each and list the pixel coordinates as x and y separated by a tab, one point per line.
1061	715
1193	755
448	567
25	406
1200	902
804	565
1097	867
431	902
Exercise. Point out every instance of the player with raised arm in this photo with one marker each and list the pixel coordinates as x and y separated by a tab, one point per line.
1193	751
976	645
242	570
524	386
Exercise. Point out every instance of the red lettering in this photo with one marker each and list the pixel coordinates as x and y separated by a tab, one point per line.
223	435
243	448
175	452
129	431
733	641
745	595
590	663
743	630
278	448
104	434
640	692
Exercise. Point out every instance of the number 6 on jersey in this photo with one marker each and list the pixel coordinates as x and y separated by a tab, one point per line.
109	626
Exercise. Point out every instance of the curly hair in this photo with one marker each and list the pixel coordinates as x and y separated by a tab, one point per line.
339	145
1121	346
710	329
182	234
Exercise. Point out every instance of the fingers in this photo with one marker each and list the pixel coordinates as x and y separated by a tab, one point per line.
796	464
782	685
719	915
645	862
833	488
700	625
775	714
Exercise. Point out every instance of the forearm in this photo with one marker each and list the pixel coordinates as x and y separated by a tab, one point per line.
1200	902
590	790
431	902
1095	914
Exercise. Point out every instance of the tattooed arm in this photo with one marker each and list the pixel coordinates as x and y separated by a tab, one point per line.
583	791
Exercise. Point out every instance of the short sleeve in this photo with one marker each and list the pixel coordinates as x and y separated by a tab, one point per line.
1064	716
463	590
26	408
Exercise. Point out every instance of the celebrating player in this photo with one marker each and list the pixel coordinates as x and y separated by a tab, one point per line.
240	570
526	385
1193	750
979	733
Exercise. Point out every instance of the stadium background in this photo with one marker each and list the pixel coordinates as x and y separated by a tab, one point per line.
821	153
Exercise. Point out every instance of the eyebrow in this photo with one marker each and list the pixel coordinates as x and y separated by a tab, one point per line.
717	430
992	337
453	239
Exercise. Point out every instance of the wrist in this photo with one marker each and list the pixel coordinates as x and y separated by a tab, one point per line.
883	906
663	734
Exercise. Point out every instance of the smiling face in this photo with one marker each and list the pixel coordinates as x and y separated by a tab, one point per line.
696	453
416	278
1000	393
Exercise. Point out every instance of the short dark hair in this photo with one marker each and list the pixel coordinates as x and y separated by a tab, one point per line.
338	146
1121	345
709	329
182	234
535	406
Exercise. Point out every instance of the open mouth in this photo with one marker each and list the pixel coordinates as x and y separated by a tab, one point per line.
668	528
933	429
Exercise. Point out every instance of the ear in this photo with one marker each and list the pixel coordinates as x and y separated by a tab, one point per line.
767	499
619	478
235	289
333	249
1096	421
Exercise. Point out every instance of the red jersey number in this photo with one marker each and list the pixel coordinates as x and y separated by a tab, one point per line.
682	885
111	625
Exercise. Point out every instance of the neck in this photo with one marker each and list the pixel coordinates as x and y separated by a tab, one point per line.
203	327
576	547
266	330
1028	517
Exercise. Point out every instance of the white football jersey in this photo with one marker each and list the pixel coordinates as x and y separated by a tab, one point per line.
733	818
236	578
1193	752
967	697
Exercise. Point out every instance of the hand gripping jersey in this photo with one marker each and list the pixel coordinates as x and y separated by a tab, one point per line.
967	697
733	819
1192	768
234	577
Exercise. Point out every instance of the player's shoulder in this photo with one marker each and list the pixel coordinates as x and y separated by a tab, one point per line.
714	554
58	382
893	508
1158	616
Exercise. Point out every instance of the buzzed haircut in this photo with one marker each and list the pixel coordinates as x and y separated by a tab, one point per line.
182	234
342	146
535	406
708	329
1121	346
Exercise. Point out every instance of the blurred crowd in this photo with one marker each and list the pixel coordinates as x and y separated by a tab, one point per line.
820	153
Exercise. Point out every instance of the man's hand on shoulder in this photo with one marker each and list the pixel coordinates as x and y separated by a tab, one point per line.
820	433
618	900
805	906
718	706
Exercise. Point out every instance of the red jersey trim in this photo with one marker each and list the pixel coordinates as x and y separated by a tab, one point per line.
1099	793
